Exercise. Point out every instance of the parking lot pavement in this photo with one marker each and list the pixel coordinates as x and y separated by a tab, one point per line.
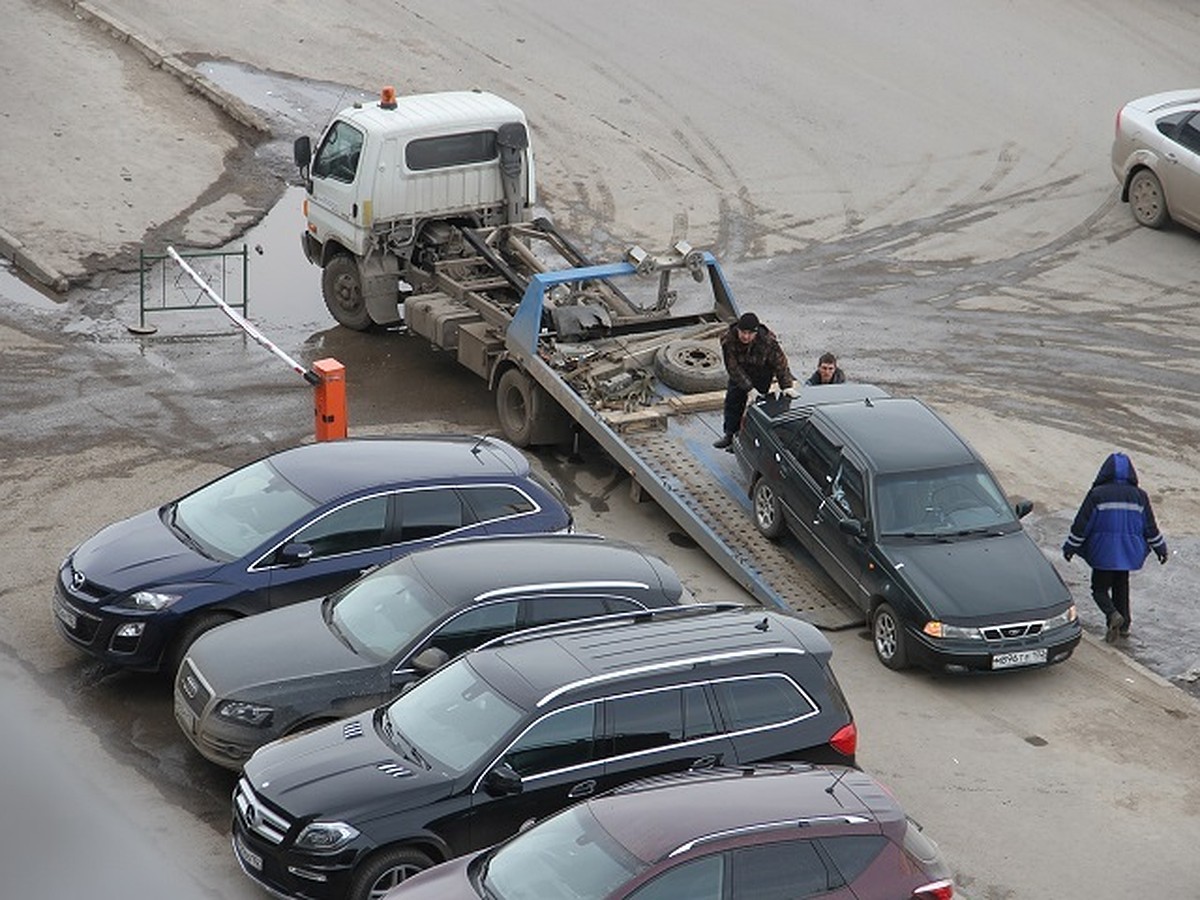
985	266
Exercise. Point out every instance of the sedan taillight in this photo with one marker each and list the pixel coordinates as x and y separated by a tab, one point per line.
937	890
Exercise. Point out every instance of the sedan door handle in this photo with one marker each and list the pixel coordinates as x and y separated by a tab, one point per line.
706	762
583	789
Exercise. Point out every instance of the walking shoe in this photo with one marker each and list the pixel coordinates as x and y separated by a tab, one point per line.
723	442
1115	621
1124	630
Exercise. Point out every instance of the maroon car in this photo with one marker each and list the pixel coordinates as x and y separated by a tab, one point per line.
776	831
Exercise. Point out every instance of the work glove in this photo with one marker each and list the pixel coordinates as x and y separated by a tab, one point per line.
791	392
1162	555
751	396
1068	553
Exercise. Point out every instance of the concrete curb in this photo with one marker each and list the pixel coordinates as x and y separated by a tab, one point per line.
29	260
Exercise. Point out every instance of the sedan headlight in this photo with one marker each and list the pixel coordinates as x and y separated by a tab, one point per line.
153	600
246	713
1066	617
942	630
325	837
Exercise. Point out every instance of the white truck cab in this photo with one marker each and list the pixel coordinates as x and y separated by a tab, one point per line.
389	180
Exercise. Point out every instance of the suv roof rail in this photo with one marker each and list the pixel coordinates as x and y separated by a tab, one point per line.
557	536
590	623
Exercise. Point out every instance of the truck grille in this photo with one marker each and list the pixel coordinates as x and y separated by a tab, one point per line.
255	816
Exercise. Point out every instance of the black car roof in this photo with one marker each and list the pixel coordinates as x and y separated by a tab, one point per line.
331	469
577	654
469	568
898	434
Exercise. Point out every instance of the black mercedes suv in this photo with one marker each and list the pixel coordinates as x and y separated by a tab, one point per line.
525	726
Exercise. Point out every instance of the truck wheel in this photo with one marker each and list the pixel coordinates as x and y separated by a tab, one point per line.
768	515
341	286
887	634
691	366
518	404
1146	200
385	870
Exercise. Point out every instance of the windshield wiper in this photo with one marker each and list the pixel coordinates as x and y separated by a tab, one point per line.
481	879
401	743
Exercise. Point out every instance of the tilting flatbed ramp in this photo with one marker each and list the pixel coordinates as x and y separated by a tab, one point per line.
702	492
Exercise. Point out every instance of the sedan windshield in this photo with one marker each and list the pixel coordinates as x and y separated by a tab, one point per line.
235	514
452	717
941	502
569	855
381	614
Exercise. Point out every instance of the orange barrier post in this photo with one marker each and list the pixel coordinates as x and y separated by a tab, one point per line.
330	399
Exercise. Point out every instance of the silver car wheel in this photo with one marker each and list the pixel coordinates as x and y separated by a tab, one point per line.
768	517
1146	200
888	636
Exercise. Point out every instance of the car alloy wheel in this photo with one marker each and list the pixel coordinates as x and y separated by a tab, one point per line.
768	516
888	635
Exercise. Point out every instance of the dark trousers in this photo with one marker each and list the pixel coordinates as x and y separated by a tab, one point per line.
736	397
1110	590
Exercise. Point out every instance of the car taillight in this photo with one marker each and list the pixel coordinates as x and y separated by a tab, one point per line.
845	740
937	890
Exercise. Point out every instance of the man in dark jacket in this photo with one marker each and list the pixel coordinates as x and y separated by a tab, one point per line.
753	358
1114	531
828	372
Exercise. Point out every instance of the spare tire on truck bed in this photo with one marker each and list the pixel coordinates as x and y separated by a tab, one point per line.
691	366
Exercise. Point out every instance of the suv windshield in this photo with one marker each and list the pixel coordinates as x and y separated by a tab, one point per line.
452	717
233	515
569	855
382	613
940	502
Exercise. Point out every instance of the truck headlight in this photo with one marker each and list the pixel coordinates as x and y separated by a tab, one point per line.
246	713
325	837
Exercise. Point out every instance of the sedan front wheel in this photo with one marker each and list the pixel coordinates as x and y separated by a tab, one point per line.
888	634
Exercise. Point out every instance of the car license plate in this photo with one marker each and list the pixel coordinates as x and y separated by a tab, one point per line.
66	616
248	856
1019	658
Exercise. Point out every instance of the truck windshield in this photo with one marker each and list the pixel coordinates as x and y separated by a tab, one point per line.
337	157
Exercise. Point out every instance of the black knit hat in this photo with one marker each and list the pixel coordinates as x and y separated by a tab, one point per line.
748	322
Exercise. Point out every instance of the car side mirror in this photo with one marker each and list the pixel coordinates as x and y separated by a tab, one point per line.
502	781
429	659
852	527
296	553
1023	508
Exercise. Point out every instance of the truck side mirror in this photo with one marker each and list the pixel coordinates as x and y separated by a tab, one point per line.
1023	508
302	152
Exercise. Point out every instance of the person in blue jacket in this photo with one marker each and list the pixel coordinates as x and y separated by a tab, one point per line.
1113	532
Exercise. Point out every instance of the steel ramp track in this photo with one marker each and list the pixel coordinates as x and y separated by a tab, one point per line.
706	483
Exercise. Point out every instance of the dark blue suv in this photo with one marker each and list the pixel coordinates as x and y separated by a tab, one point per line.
292	526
